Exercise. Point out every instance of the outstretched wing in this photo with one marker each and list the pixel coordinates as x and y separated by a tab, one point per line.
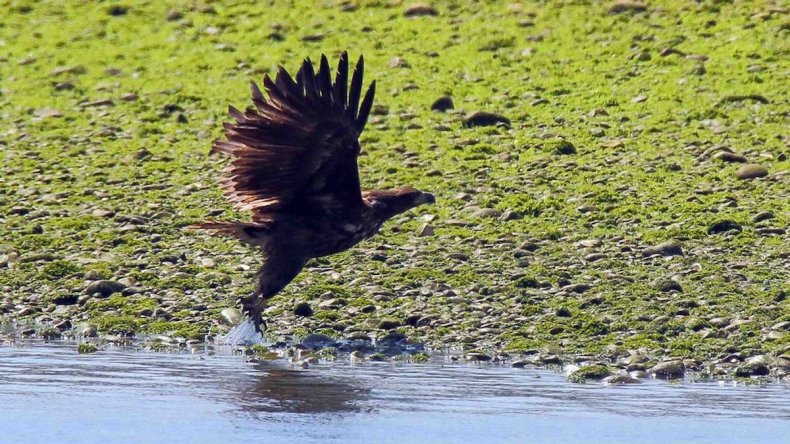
297	149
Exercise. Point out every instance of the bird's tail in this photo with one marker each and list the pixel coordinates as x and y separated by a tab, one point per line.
251	233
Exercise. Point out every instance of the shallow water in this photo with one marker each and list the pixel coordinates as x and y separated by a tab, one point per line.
49	393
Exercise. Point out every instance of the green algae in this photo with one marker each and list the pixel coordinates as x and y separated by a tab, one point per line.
624	90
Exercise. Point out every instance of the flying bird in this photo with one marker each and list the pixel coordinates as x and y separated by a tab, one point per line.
294	168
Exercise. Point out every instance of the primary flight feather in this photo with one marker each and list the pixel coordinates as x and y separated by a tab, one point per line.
294	168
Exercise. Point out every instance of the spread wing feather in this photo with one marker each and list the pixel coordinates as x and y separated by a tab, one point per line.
297	149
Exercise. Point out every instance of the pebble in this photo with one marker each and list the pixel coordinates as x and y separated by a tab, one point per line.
317	341
47	113
104	287
563	312
389	324
593	372
667	285
727	156
724	226
511	215
487	212
597	132
751	171
576	288
442	104
562	147
669	248
208	262
86	330
303	309
620	380
420	9
99	102
763	215
398	62
62	325
458	256
752	369
592	257
425	230
483	118
668	369
623	6
477	357
98	212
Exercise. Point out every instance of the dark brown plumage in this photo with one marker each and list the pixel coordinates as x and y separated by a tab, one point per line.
294	167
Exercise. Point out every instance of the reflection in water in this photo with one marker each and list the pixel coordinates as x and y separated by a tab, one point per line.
279	390
120	396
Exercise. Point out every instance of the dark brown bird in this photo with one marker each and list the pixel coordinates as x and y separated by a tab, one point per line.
294	167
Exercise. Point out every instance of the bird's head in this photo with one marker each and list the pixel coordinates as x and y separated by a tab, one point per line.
390	203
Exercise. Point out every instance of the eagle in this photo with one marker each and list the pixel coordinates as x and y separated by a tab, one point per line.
294	169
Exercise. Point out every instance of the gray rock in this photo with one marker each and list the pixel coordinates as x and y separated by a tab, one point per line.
477	357
62	325
724	226
576	288
303	309
668	369
511	215
442	104
86	330
763	215
389	323
593	372
620	380
752	369
667	285
316	341
669	248
420	9
104	287
592	257
487	212
626	6
751	171
562	147
425	230
50	333
483	118
597	132
727	156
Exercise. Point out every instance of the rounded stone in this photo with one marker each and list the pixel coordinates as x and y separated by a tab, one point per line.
442	104
477	357
483	118
751	171
669	248
668	370
303	309
104	287
620	380
316	341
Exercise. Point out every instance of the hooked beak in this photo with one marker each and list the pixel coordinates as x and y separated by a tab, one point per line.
425	198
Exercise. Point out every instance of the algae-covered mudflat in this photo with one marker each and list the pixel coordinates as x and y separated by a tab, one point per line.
634	209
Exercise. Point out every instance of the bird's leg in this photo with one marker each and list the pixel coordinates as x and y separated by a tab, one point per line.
253	306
